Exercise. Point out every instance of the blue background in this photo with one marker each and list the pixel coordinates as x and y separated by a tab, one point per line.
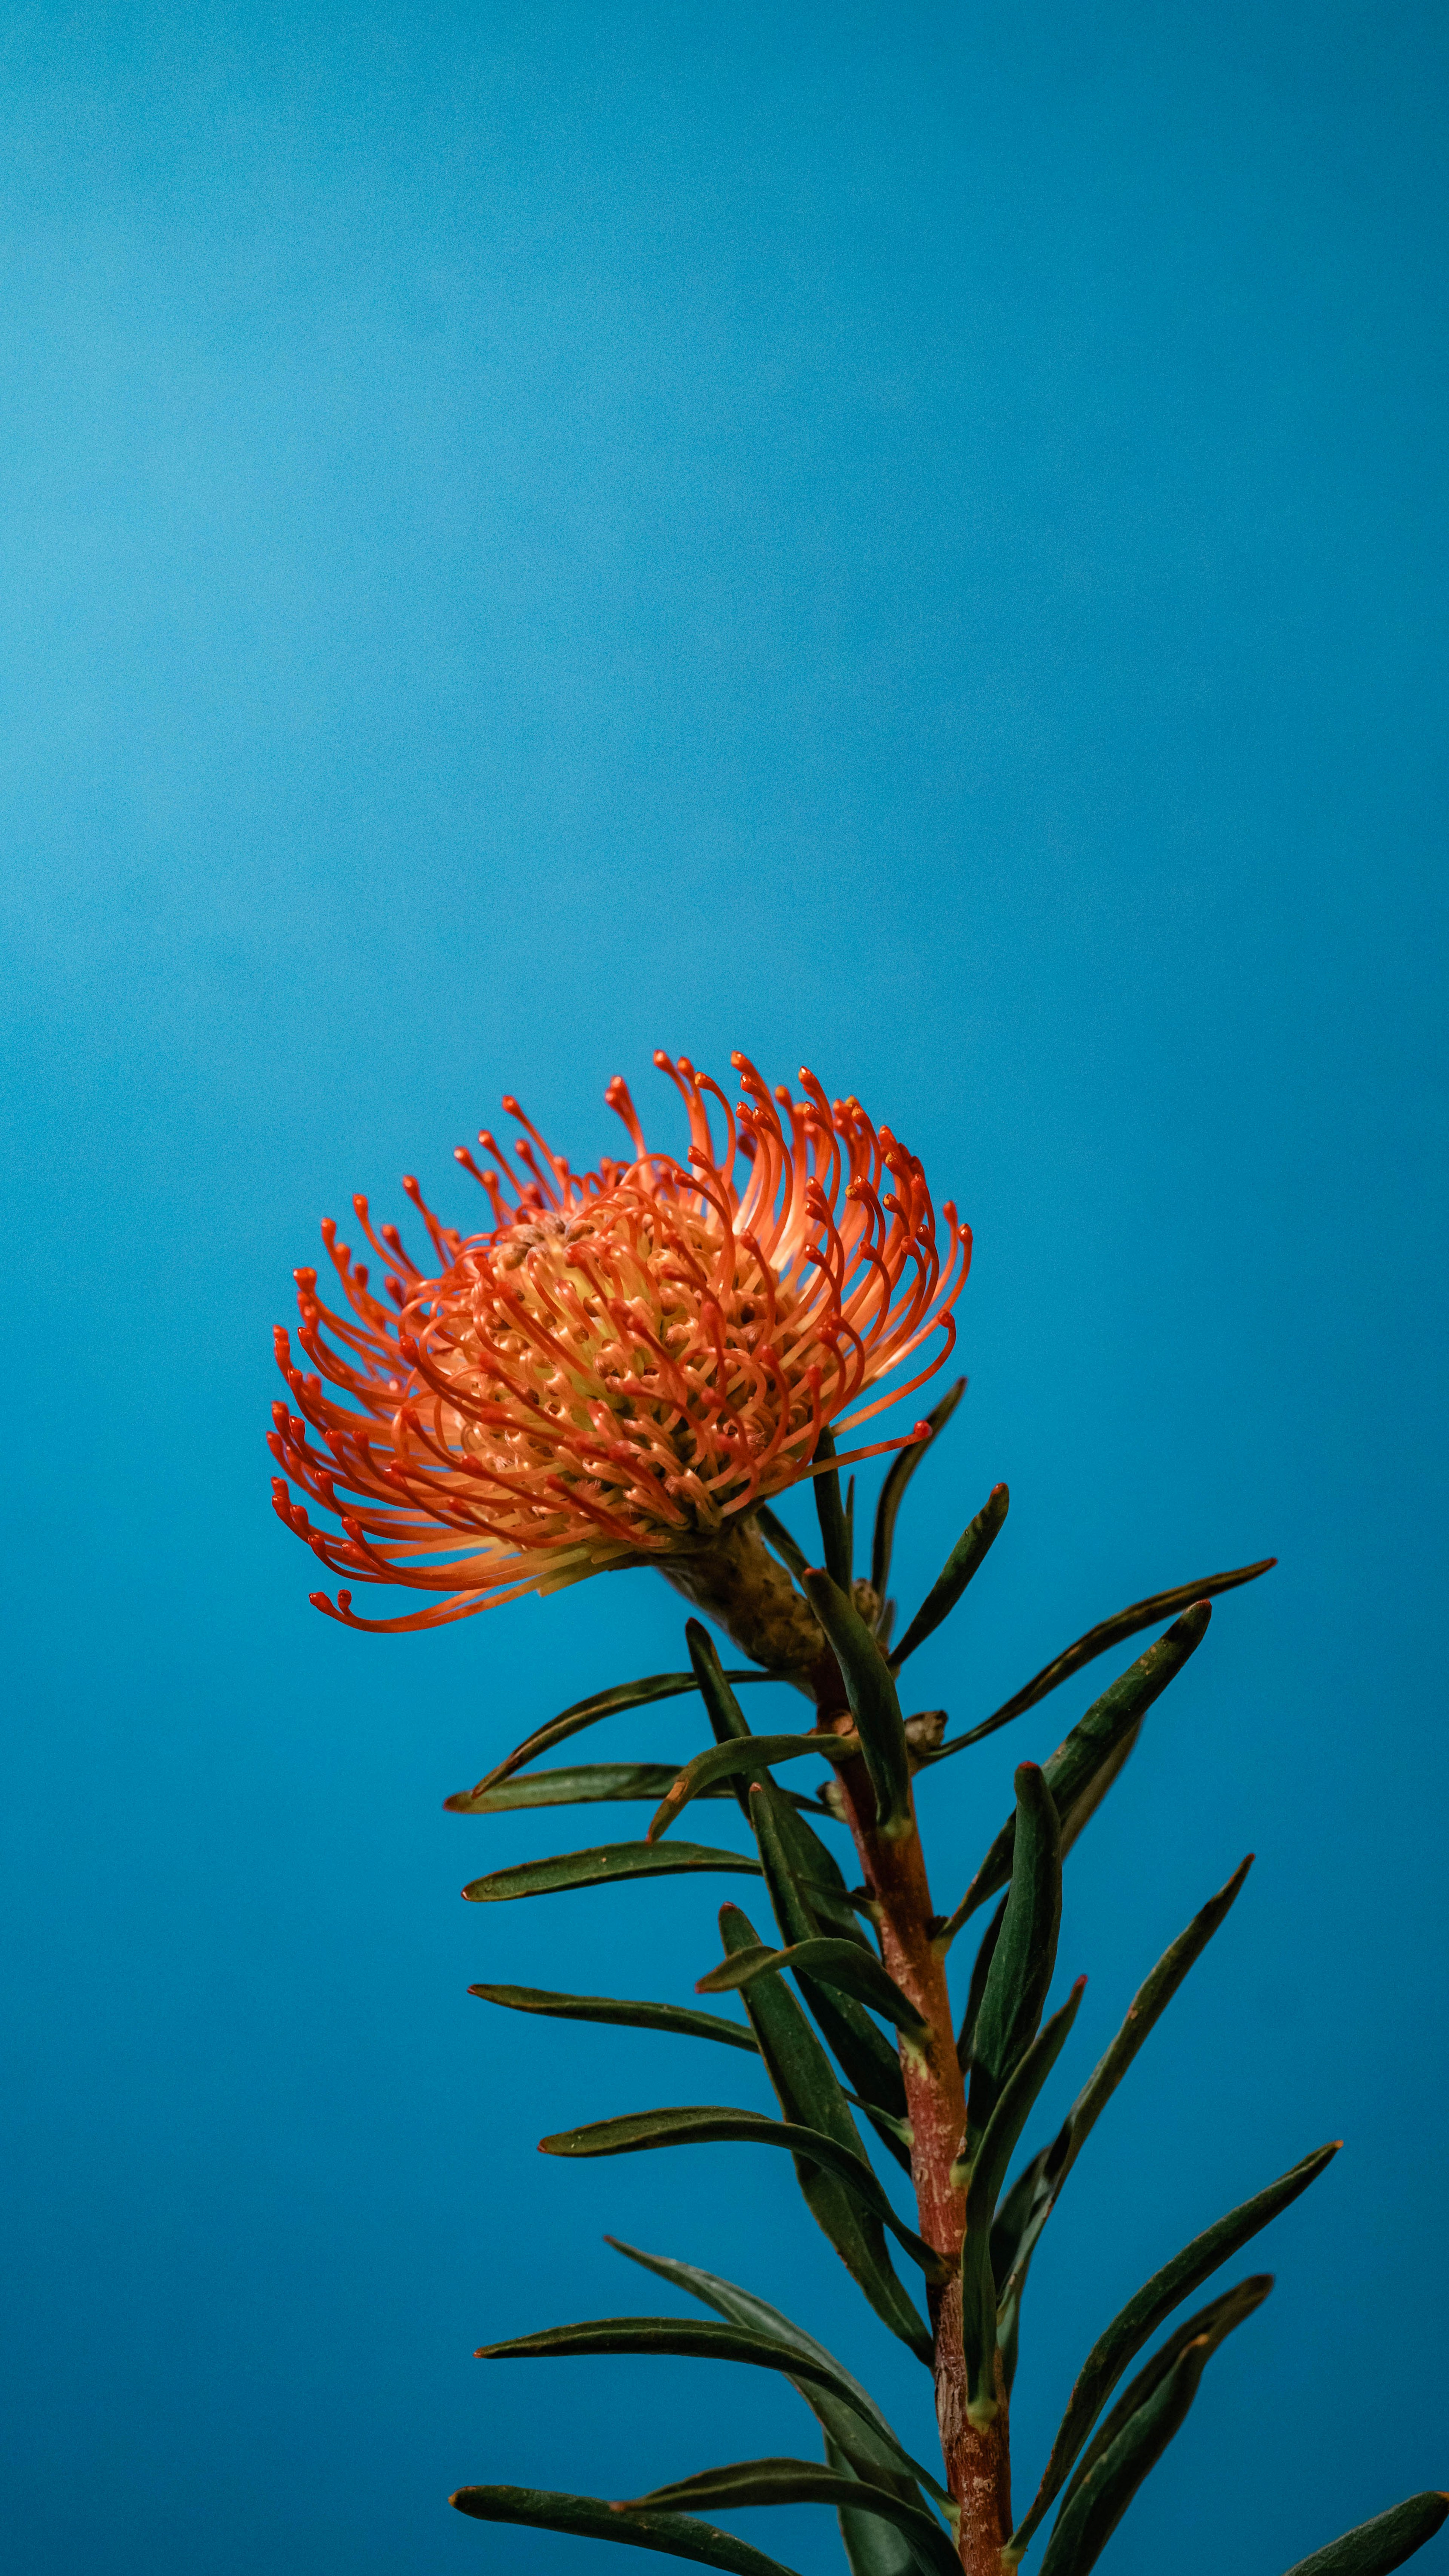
909	540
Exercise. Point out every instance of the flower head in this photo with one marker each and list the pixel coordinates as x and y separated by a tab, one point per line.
622	1362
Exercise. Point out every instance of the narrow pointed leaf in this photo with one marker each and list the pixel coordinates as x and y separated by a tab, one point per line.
873	1703
687	2339
1087	2521
968	1554
1149	2004
1146	2008
775	1535
872	2547
1211	2325
792	1853
744	2308
1024	1956
809	2095
633	2016
988	2173
591	1784
980	1971
892	1493
732	1761
807	1888
592	2518
1376	2548
1142	2316
834	1963
709	2124
751	2482
1115	1632
1094	1740
585	1712
830	1512
810	1899
605	1866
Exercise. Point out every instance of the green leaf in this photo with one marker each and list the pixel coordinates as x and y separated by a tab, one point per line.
605	1866
968	1554
774	1533
1149	2004
707	2124
775	2482
874	1706
1142	2316
684	2339
1376	2547
1212	2324
1089	2518
1096	1738
572	1721
1053	2166
874	2547
892	1493
834	1963
633	2016
590	1784
792	1853
988	2173
1111	1632
829	1511
730	1761
851	2418
590	2518
810	2096
1025	1954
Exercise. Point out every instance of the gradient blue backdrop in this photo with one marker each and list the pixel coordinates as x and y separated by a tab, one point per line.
909	539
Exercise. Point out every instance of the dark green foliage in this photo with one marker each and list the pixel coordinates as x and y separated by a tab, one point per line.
590	2518
1036	2192
1024	1954
706	2124
809	2095
573	1720
1073	1771
1114	1632
983	2183
853	2423
1210	2325
776	2482
1140	2319
842	1964
681	2339
809	1899
631	2016
732	1761
841	2047
835	1530
968	1554
1376	2548
1090	2517
597	1783
871	1691
604	1866
893	1489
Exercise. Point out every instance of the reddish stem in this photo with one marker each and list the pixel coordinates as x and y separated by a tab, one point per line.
978	2467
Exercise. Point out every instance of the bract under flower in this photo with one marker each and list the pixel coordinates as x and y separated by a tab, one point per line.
623	1362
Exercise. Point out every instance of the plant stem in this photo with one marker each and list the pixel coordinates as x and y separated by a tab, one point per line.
978	2469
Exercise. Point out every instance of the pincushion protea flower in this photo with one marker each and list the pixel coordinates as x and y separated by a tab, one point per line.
623	1366
618	1372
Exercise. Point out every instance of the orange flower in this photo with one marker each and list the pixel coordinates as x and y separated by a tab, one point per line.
623	1362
